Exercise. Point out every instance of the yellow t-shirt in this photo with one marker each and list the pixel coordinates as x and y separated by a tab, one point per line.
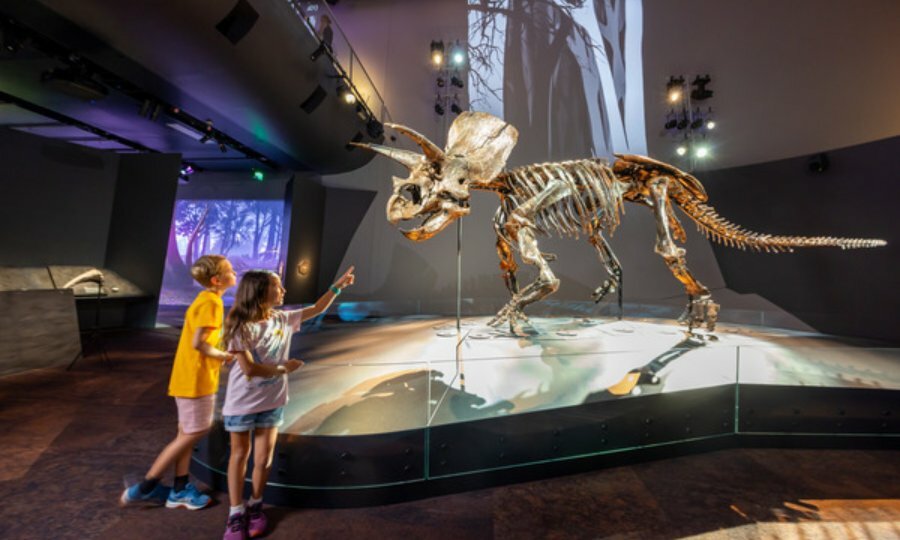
193	374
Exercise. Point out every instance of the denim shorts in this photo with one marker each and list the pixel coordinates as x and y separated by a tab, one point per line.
246	422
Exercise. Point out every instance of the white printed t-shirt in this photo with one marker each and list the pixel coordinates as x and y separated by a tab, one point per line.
269	342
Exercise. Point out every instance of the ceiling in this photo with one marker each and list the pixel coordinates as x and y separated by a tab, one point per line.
222	85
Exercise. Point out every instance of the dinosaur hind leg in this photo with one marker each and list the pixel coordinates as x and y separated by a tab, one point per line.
700	310
613	268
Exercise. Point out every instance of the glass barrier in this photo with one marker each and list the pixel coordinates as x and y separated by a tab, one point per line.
827	365
318	19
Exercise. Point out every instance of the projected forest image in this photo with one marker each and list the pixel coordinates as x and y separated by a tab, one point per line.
248	232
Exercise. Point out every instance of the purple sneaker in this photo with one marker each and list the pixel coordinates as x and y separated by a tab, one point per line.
235	529
256	522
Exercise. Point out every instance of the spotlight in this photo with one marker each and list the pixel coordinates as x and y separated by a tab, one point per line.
222	147
437	53
456	81
457	55
702	152
710	124
187	170
697	121
683	121
455	108
345	94
438	108
673	88
205	139
258	175
681	150
700	91
818	163
671	120
441	82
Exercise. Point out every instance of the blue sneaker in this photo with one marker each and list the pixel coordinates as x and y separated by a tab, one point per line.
189	497
133	495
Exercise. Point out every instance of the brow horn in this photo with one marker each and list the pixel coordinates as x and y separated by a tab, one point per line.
431	150
404	157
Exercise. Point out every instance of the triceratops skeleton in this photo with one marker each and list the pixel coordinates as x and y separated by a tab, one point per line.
566	198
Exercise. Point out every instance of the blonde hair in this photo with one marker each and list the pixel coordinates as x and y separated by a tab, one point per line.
207	267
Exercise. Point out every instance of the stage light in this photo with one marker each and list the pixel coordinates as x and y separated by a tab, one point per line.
457	55
258	175
346	94
673	88
374	128
681	150
701	93
710	124
457	82
697	121
702	152
437	53
455	108
671	120
441	82
222	147
438	108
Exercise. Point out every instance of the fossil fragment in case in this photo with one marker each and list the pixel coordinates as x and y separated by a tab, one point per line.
566	198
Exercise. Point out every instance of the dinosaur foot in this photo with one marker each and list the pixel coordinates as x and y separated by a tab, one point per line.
700	312
512	314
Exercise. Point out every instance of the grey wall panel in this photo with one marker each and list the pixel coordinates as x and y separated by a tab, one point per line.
55	201
141	219
851	292
344	211
307	198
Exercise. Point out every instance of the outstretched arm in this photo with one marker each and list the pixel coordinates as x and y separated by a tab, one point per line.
325	301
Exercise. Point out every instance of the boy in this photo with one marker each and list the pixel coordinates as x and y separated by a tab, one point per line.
193	384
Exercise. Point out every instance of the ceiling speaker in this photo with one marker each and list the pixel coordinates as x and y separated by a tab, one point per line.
238	22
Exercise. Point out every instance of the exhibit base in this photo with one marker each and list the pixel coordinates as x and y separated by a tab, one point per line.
412	407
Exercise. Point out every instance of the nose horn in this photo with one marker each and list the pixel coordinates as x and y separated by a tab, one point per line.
431	150
404	157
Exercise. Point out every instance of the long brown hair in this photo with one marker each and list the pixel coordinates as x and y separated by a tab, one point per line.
248	304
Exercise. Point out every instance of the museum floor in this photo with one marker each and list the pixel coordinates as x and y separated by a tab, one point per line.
69	439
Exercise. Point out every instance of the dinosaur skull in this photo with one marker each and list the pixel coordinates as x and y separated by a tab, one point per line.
437	188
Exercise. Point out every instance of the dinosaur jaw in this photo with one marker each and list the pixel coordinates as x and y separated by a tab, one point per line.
436	222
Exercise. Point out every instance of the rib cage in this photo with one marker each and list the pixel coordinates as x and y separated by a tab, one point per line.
596	207
720	230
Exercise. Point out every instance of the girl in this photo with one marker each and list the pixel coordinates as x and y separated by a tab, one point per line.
260	338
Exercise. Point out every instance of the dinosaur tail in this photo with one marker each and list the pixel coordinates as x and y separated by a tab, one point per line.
719	229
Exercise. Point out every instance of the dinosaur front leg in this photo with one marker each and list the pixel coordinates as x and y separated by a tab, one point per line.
701	310
545	284
507	265
519	226
613	268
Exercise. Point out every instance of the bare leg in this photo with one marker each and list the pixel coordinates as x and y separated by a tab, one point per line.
611	263
701	310
263	449
177	452
237	466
